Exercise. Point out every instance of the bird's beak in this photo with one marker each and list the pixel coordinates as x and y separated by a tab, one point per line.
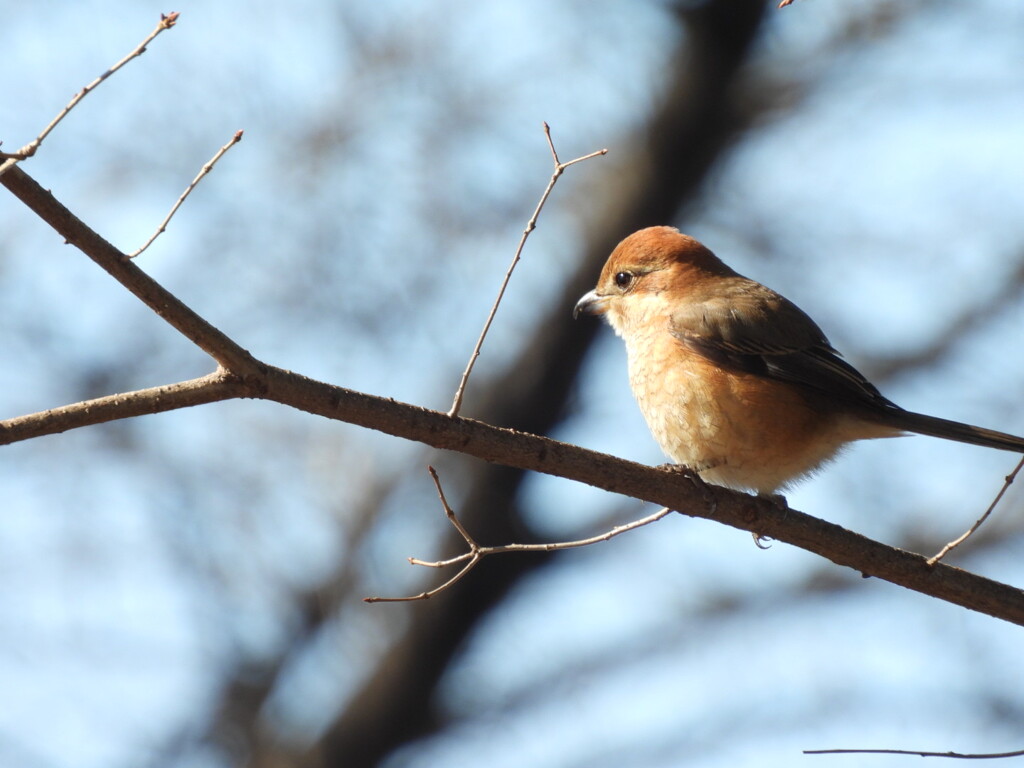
590	304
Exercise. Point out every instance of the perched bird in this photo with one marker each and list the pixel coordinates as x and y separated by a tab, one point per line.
736	382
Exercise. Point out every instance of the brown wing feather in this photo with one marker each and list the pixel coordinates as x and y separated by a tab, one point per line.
749	327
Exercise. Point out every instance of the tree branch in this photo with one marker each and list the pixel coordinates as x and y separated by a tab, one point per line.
244	376
211	388
469	560
919	753
188	191
10	158
1007	482
540	454
530	226
75	232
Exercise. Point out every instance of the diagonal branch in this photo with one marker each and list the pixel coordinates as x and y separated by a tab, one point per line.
10	158
75	232
540	454
188	191
1007	482
530	226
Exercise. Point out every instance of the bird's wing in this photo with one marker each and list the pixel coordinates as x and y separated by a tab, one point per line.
748	327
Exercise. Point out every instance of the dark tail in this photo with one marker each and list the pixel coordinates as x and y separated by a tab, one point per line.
954	430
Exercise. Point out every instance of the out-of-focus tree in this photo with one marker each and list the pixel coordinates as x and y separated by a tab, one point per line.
186	588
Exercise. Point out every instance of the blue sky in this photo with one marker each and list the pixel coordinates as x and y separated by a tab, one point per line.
391	157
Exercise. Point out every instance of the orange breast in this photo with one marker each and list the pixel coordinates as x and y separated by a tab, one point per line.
738	429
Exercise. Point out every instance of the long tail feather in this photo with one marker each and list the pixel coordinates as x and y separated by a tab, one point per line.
954	430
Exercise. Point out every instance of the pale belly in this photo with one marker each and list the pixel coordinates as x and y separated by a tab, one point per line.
740	430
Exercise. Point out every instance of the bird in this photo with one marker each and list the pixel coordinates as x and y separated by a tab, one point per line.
736	382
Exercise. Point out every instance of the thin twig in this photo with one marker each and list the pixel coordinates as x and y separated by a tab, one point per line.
166	22
960	755
477	553
960	540
188	190
530	226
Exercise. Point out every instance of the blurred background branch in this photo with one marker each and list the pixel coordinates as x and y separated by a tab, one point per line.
206	610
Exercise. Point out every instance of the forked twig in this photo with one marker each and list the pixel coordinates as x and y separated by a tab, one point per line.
977	524
530	226
188	190
166	22
477	553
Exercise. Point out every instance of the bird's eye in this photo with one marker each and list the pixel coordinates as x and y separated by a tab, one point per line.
623	279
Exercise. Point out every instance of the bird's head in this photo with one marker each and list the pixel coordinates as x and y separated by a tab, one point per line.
648	274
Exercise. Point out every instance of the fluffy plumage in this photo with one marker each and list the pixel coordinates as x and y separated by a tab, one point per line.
735	381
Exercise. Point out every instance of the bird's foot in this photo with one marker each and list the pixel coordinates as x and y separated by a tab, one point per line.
778	501
694	477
